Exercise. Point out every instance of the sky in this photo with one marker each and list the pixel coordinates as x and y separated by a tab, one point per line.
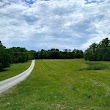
46	24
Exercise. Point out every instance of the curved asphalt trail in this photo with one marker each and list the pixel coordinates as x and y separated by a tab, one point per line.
8	83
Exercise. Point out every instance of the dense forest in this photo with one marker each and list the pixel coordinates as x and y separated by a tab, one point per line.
95	52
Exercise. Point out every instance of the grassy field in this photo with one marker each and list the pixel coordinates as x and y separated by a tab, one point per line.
62	85
15	69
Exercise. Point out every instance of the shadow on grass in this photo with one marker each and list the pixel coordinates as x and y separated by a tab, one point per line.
2	70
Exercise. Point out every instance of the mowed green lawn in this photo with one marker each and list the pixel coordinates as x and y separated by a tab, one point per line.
14	70
61	85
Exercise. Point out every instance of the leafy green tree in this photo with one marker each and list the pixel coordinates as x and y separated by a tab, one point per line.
32	54
4	57
19	54
54	53
78	53
98	52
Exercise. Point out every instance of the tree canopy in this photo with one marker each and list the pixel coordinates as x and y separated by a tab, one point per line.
57	54
99	52
4	57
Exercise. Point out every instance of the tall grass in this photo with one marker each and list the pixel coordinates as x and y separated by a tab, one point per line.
97	66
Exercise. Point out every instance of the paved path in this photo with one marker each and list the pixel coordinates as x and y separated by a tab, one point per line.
8	83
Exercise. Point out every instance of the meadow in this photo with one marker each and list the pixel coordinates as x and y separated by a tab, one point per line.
62	85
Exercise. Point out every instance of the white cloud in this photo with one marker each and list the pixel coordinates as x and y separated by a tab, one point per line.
60	24
96	39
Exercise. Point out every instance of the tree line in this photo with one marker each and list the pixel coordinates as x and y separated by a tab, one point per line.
95	52
13	55
57	54
21	55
